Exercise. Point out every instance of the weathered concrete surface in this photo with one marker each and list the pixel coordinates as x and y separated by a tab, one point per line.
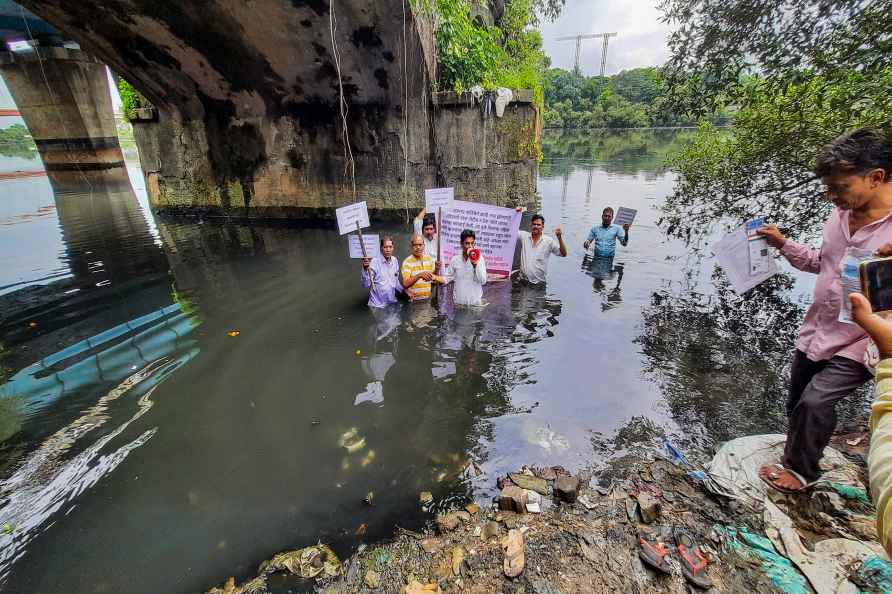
248	104
64	98
492	159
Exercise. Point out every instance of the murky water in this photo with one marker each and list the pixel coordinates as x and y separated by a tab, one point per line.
145	449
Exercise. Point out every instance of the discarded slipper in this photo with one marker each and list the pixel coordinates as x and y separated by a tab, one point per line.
777	470
693	563
653	553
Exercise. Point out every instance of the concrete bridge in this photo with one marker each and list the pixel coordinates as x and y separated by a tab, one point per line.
61	93
247	113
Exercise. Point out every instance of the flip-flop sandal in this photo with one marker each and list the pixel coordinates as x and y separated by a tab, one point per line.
653	553
778	469
693	563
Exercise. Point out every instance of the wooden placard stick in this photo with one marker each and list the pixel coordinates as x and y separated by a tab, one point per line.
365	254
435	296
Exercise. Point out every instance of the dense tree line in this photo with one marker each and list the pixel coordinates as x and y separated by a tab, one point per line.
634	98
15	141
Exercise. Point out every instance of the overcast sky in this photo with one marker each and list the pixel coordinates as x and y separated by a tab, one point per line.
640	40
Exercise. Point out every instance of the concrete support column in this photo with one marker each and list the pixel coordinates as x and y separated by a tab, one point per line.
64	98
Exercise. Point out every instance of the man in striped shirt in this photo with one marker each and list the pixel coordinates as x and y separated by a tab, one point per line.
418	271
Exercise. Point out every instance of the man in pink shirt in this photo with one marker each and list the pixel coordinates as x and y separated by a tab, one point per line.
830	358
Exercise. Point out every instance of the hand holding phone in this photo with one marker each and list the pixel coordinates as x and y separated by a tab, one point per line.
876	282
880	330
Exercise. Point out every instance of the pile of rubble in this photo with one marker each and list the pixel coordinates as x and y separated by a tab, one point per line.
549	532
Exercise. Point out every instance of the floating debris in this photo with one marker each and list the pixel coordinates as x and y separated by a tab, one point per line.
308	562
351	440
233	333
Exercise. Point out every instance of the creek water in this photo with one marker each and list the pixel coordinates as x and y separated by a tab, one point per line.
145	448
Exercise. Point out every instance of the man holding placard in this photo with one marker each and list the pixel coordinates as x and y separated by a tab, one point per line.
425	225
381	275
536	248
435	200
606	234
832	359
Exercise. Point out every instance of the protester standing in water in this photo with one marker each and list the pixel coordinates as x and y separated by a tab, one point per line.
418	271
606	234
536	248
381	275
426	225
467	271
830	360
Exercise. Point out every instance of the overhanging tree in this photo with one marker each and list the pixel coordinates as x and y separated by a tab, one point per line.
799	73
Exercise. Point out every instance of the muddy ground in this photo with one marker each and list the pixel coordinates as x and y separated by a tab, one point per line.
588	545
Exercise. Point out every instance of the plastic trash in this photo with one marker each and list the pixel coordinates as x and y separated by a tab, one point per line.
780	570
874	575
851	492
734	470
503	98
826	566
675	455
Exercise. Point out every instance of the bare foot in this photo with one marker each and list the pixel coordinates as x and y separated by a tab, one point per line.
780	478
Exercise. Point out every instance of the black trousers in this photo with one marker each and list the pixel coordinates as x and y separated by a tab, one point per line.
815	388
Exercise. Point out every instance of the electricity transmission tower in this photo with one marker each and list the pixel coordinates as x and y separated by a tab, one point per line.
605	37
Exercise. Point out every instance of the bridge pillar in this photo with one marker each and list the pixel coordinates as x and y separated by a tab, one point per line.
64	98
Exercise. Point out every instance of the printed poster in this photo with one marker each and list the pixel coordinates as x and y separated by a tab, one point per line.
495	227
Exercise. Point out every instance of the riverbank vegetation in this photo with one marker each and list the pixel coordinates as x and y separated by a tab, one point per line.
827	74
16	141
634	98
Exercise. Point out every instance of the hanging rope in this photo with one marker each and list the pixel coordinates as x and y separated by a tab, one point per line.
348	151
405	115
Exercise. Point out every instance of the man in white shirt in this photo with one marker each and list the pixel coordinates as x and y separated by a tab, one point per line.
468	271
536	248
426	226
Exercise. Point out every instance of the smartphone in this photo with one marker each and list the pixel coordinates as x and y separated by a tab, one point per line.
876	282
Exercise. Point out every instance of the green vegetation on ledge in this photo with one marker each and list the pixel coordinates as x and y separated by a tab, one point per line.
131	99
507	53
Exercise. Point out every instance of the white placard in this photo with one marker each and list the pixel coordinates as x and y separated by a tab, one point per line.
372	246
435	198
625	216
733	255
350	214
760	258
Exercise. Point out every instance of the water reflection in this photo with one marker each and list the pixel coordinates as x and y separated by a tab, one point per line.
49	482
721	360
273	437
87	335
608	278
627	152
